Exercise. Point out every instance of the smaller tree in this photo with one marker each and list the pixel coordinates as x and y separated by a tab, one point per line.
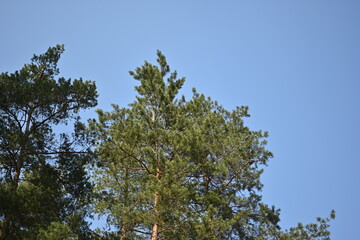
312	231
42	174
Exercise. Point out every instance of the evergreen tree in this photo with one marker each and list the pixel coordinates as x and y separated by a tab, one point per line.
42	174
172	168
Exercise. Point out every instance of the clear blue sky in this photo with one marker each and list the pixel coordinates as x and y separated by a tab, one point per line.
296	64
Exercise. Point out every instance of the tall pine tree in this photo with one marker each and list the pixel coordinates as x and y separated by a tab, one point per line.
177	169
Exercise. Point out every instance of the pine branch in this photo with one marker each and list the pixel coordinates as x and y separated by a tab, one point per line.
237	172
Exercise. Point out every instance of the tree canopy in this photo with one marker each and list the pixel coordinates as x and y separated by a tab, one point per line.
42	174
164	167
172	168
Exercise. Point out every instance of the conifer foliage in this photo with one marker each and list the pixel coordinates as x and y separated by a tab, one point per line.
167	167
173	168
43	179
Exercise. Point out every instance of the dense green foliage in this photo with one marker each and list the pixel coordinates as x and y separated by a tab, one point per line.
167	167
42	175
173	168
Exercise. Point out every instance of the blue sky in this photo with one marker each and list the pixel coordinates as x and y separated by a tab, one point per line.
294	63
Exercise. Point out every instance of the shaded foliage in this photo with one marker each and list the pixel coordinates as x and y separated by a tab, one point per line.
42	174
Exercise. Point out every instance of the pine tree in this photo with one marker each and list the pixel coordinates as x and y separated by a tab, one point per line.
172	168
42	174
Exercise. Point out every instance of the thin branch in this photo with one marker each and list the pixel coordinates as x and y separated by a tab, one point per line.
51	116
237	172
133	157
139	231
54	153
13	115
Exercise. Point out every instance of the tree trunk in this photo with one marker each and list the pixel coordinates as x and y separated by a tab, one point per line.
155	229
17	172
123	233
6	223
124	227
2	234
